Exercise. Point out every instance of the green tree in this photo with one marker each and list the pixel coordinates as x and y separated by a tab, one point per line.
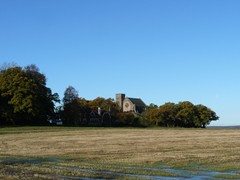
105	104
153	116
70	95
45	99
151	106
190	115
129	119
183	114
186	115
72	109
26	99
205	115
167	114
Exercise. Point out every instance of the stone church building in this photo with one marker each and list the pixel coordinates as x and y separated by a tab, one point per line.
127	104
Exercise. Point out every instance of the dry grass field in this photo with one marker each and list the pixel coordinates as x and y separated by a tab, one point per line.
214	149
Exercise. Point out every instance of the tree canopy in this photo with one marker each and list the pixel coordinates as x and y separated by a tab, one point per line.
24	96
78	111
183	114
26	100
72	108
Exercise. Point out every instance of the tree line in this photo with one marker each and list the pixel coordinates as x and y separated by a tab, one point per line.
183	114
26	100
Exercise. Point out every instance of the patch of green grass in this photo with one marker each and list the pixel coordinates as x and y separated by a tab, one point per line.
224	167
228	176
117	168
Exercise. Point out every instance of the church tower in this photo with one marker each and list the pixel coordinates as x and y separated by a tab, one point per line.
119	100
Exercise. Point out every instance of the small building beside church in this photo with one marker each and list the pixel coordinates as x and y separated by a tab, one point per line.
127	104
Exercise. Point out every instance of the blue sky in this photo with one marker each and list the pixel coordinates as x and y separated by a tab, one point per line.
158	50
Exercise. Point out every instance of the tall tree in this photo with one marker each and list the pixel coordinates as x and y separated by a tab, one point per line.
70	94
26	97
45	98
72	108
18	90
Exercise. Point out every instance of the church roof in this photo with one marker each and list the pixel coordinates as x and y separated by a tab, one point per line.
137	102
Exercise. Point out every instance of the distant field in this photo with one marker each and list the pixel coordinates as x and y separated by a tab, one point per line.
58	152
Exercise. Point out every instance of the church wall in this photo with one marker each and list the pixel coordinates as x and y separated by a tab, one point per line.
128	106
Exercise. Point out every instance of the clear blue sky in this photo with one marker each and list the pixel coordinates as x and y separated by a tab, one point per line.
159	50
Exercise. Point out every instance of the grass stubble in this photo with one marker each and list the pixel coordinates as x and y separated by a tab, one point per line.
125	150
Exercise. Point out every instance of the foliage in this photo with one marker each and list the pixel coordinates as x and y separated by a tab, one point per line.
70	95
183	114
152	115
167	114
205	115
72	107
105	104
25	99
79	111
130	119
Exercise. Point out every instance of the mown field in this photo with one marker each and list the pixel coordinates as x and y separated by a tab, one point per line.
119	153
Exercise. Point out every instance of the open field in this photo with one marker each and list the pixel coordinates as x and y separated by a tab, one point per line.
58	153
